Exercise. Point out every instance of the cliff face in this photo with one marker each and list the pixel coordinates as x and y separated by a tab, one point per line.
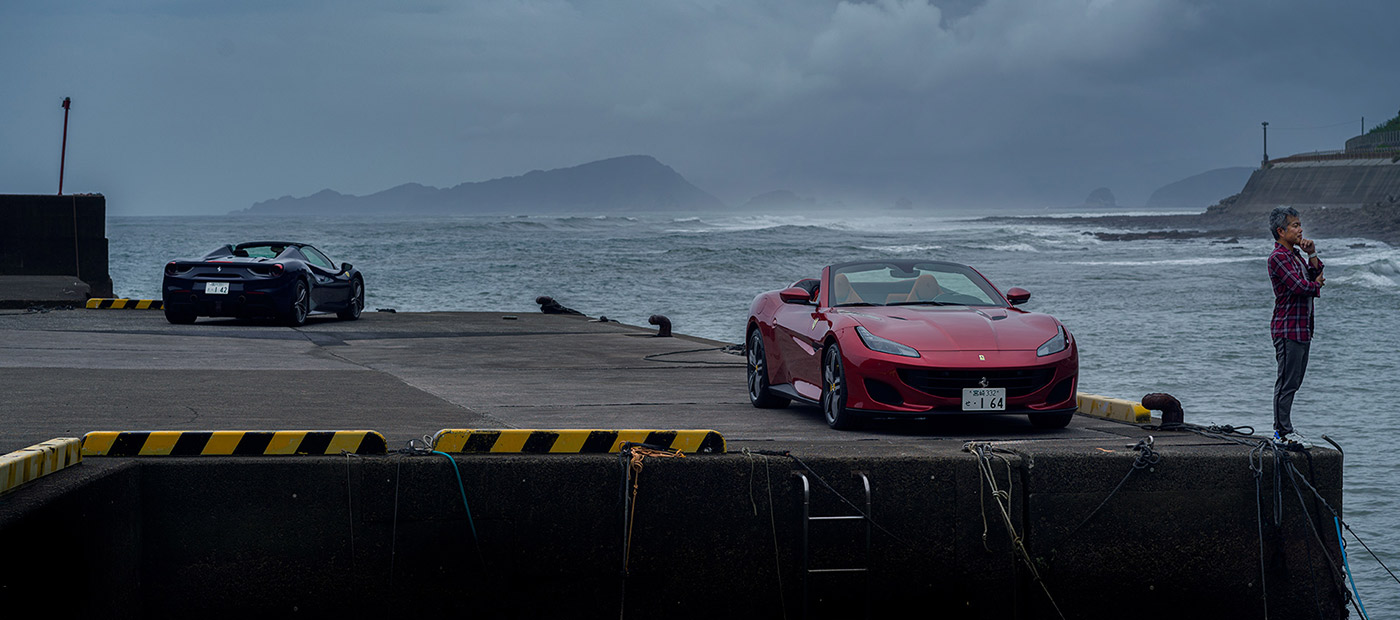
635	183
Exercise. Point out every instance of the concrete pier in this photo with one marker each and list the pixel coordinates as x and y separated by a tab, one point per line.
361	536
53	236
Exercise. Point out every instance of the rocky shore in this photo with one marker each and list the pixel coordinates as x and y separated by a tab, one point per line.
1380	223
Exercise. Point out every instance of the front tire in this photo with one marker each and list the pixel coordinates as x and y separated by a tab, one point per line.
300	306
834	391
356	304
759	394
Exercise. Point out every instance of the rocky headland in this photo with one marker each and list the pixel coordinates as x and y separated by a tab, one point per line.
1225	221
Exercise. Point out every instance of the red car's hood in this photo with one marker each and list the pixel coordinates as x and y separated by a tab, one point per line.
957	328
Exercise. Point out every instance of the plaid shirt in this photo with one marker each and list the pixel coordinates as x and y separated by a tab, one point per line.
1294	290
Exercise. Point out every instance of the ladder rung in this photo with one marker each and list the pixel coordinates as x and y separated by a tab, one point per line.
839	518
838	570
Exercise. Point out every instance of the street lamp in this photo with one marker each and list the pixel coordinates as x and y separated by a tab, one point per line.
1266	144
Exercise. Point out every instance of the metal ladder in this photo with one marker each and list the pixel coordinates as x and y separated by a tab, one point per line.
807	519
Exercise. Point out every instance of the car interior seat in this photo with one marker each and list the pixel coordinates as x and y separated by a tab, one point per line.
841	291
925	288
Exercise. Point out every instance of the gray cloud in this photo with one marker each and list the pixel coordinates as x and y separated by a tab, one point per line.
186	107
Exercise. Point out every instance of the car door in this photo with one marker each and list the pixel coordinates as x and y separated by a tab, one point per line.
331	287
798	330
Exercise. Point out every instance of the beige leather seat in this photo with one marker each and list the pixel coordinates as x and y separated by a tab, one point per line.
841	291
925	288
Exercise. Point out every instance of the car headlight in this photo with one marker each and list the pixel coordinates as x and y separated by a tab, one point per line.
1055	344
884	345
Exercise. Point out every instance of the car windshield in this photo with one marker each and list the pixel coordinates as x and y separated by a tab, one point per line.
259	251
895	283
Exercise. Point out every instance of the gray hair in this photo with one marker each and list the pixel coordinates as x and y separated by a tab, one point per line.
1278	218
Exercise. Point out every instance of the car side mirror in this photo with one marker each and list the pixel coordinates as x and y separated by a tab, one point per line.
346	267
1017	295
795	295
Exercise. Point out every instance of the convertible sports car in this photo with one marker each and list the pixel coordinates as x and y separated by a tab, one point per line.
908	337
279	279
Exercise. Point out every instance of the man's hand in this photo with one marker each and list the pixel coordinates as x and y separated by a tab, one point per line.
1307	246
1320	280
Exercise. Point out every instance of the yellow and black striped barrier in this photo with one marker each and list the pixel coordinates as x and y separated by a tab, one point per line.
573	441
1119	409
123	304
38	460
231	443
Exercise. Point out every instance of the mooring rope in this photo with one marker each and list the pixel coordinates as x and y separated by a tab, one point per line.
1147	458
634	454
984	453
772	522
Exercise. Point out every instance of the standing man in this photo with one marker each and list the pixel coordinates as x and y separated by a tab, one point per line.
1297	279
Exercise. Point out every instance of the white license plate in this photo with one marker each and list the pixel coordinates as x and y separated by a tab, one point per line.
984	399
216	288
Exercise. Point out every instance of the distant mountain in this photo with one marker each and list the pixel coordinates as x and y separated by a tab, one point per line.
634	183
1200	191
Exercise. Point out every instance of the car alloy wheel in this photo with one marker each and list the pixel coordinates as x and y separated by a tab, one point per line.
356	305
759	394
301	305
834	390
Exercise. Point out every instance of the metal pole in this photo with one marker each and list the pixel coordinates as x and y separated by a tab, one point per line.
63	156
1266	144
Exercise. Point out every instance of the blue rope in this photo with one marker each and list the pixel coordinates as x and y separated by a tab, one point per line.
457	470
1343	545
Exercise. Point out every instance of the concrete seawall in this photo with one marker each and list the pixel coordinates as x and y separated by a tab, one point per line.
55	236
363	536
1341	183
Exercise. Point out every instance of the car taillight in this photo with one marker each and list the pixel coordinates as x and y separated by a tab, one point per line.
170	269
266	270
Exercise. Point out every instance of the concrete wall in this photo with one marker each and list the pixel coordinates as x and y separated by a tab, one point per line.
366	537
55	235
1332	184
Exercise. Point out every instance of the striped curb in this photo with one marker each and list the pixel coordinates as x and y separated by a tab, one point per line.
1119	409
572	441
231	443
21	466
123	304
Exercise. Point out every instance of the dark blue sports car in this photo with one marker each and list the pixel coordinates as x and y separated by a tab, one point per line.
284	280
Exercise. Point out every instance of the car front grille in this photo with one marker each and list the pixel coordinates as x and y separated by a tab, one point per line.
950	383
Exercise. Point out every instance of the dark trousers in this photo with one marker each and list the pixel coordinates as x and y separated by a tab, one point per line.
1292	359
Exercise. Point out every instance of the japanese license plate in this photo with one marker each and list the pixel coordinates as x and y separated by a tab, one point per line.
216	288
984	399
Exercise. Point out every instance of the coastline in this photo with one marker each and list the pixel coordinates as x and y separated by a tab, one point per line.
1379	223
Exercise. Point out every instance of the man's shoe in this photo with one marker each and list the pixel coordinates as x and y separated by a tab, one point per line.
1294	440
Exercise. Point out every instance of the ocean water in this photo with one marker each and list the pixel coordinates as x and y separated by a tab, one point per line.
1190	317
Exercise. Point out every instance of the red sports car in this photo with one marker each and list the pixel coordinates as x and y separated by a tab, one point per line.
908	337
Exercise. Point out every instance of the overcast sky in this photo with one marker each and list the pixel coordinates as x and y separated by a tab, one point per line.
206	107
